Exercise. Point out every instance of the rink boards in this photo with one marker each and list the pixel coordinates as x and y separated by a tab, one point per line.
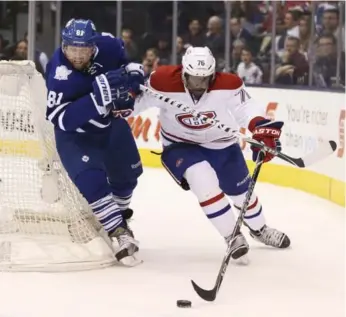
309	117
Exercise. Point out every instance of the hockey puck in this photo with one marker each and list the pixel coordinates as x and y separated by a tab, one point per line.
182	303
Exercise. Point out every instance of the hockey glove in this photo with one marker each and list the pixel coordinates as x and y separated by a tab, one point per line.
136	77
111	87
268	132
123	107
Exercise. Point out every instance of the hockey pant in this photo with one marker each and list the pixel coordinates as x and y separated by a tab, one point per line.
104	167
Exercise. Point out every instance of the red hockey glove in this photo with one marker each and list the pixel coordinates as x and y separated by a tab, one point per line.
268	132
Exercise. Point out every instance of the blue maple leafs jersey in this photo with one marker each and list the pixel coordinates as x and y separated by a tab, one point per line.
70	104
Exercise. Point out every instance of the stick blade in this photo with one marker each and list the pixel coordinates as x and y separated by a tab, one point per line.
333	145
325	149
208	296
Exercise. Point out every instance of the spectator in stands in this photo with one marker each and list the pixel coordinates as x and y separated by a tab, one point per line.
20	50
325	67
304	35
291	22
291	30
21	53
130	45
237	48
294	67
237	9
250	18
180	50
268	18
323	6
195	36
147	68
238	33
330	24
151	59
215	36
163	49
247	70
330	20
41	58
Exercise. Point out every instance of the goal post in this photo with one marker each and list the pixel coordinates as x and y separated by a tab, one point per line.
45	223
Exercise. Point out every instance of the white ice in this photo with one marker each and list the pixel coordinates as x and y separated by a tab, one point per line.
178	244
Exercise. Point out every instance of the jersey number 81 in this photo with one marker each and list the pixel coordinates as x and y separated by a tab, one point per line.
54	99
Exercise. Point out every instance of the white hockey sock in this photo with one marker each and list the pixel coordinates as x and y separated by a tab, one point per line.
254	216
107	212
218	210
123	202
204	184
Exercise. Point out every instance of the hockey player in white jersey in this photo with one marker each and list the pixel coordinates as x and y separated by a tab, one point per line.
199	156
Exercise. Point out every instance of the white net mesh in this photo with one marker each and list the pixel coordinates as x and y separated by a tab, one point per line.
45	224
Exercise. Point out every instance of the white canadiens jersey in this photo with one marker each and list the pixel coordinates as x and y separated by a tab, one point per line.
226	100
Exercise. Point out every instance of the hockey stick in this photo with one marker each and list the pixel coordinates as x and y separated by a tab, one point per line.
210	295
323	150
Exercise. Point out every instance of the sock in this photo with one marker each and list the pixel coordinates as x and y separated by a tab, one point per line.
107	212
218	210
254	217
123	202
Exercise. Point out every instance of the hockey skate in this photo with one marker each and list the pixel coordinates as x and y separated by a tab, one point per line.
239	248
272	237
127	217
128	246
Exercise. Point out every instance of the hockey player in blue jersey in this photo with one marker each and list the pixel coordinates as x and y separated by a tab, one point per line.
97	149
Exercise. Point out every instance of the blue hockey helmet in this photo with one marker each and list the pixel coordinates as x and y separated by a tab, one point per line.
78	32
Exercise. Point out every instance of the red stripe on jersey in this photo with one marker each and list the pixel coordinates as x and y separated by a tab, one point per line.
212	200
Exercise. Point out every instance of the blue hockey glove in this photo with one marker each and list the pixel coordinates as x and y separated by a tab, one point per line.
268	132
110	87
136	77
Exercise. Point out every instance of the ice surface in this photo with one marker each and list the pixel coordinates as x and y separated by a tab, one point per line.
178	244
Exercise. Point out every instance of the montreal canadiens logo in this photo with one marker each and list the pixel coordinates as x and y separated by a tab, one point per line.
190	122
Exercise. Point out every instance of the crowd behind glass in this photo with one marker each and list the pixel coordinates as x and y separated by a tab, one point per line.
307	48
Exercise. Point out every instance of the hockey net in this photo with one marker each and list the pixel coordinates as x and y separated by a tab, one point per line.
45	224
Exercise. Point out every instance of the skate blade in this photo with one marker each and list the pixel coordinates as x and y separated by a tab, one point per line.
130	261
242	261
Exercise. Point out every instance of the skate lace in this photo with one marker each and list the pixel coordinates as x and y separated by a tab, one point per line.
272	236
125	238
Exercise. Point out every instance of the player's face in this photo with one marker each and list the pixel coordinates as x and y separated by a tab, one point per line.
78	56
197	84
